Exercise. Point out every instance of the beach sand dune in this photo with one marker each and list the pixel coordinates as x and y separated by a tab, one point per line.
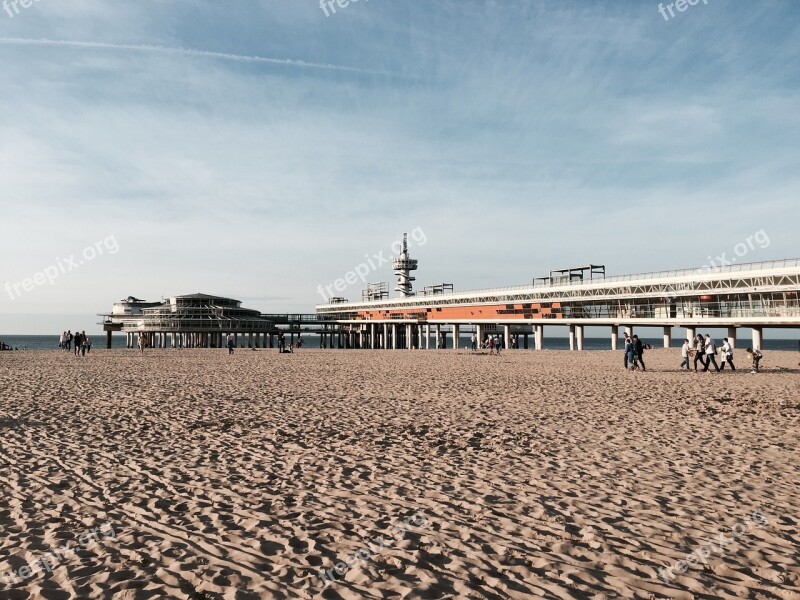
435	474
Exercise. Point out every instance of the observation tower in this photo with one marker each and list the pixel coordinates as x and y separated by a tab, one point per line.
403	265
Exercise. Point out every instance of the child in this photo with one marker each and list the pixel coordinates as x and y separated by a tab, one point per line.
756	356
685	353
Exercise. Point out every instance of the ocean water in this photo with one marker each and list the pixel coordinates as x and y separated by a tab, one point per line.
48	342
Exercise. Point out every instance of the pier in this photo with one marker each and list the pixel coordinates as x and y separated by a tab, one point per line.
756	296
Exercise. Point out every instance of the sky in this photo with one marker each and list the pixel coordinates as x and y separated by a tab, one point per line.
262	149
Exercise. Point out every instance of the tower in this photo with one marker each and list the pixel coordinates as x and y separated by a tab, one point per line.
403	265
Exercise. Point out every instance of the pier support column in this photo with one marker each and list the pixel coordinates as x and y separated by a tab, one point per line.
456	332
572	337
479	335
580	336
615	337
409	336
667	336
394	336
427	336
385	340
438	336
444	340
372	344
525	339
732	337
506	337
758	338
691	333
538	338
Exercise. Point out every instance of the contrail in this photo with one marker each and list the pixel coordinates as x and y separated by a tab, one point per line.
186	52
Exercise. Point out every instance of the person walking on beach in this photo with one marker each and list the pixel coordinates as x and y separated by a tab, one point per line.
69	340
229	343
630	354
62	339
84	342
699	352
756	355
727	355
77	342
281	343
625	347
496	345
141	342
685	353
638	349
490	345
474	342
711	354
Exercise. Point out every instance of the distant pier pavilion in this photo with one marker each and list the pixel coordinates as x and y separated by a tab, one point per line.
190	321
757	296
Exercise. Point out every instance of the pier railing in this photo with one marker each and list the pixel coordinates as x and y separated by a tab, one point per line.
698	271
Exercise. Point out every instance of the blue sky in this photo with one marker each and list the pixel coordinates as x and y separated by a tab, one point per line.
520	136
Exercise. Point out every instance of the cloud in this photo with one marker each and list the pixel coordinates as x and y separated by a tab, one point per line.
185	52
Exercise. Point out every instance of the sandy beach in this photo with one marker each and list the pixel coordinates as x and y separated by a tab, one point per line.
433	474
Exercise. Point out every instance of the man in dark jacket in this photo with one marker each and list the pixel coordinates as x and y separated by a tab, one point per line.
638	350
77	342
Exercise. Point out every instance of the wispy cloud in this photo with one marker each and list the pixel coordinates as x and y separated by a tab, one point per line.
186	52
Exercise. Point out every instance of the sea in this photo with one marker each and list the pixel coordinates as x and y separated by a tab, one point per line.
49	342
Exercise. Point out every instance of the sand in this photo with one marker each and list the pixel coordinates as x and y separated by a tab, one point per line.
549	474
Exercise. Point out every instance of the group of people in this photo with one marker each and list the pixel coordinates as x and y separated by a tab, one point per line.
634	353
491	343
230	343
78	342
699	352
703	351
6	348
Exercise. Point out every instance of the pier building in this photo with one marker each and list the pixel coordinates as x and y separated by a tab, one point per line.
756	296
190	321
